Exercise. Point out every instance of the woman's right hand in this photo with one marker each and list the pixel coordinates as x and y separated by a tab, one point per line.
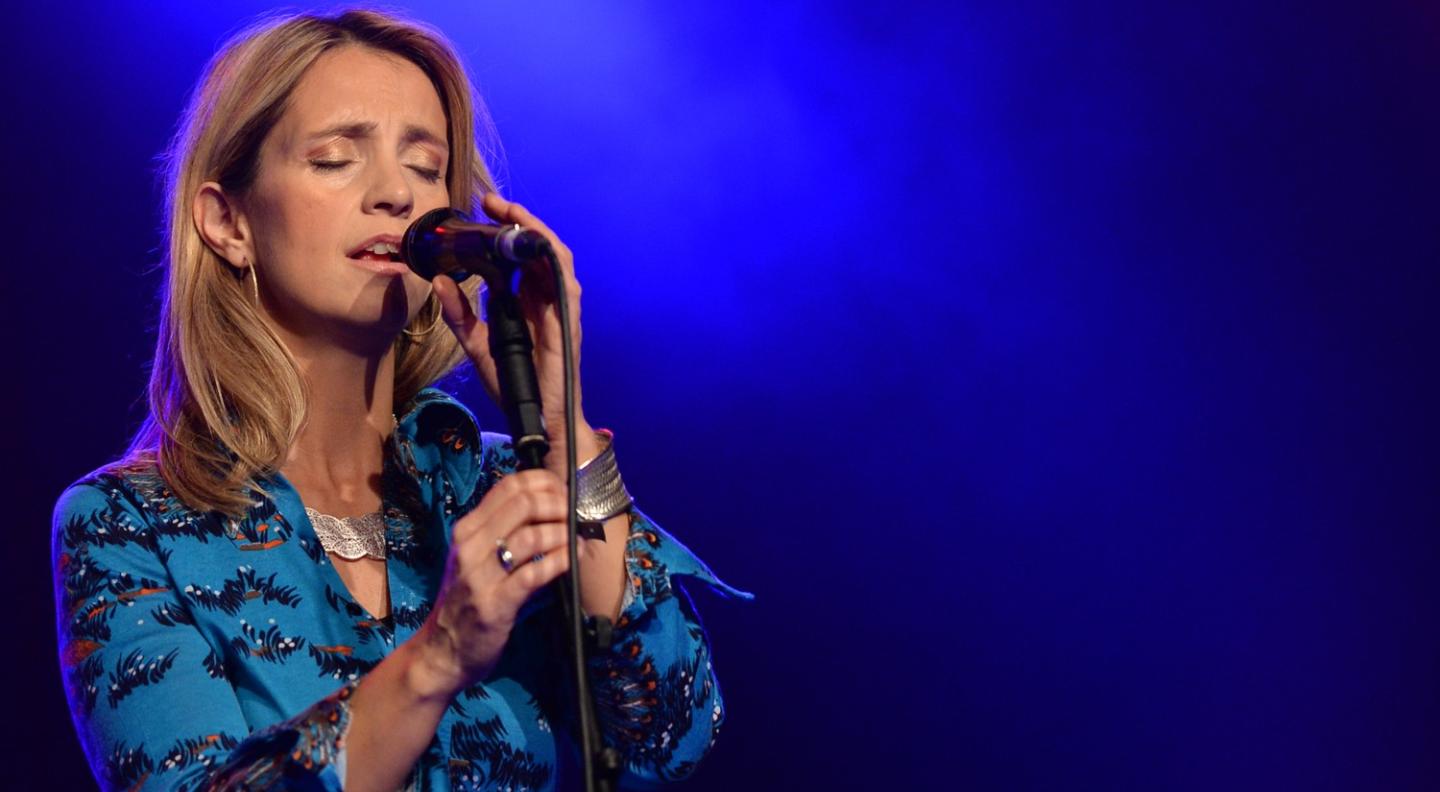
466	631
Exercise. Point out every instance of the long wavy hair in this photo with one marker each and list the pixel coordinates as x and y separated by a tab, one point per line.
226	397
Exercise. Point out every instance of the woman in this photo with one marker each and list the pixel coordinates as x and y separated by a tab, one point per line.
311	569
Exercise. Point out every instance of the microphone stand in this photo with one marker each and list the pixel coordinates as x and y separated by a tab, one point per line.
511	349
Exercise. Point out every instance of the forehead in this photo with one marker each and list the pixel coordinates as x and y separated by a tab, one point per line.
359	84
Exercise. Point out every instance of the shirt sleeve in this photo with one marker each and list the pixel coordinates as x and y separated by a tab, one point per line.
657	697
150	696
656	694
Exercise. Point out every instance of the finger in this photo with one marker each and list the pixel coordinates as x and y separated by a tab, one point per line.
536	273
526	580
487	568
504	211
538	301
471	331
520	548
460	317
534	539
484	563
509	515
525	496
508	559
536	278
485	511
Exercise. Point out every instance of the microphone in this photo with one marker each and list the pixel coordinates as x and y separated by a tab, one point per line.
447	242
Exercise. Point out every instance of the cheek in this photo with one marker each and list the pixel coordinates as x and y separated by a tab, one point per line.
313	227
437	197
297	236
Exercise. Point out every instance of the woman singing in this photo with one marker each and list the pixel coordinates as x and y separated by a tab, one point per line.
311	569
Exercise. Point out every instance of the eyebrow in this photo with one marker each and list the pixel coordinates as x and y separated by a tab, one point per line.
364	129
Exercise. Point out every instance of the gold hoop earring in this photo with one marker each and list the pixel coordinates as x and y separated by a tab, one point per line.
439	314
254	280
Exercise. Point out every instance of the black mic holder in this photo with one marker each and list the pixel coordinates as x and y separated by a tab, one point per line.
511	348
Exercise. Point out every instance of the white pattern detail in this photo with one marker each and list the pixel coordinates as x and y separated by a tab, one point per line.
350	538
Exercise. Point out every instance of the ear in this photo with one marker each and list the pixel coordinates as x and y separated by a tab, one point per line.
222	225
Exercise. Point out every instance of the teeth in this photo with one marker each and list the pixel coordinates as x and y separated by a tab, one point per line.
384	249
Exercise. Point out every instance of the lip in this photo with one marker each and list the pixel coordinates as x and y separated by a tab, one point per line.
381	267
376	265
390	238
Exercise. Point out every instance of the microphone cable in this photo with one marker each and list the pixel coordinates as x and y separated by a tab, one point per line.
591	741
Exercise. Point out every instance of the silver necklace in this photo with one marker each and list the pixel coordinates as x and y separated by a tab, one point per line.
351	538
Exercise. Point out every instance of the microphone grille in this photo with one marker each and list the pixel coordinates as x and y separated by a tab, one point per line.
423	242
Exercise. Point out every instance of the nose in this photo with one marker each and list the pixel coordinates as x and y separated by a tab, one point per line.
389	191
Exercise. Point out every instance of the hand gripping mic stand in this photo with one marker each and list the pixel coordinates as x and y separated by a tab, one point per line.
432	249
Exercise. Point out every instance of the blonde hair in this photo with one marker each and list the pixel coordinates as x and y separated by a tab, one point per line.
226	398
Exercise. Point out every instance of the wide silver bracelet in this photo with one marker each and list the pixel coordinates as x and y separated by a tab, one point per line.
601	493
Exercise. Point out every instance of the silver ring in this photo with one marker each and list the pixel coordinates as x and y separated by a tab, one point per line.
507	558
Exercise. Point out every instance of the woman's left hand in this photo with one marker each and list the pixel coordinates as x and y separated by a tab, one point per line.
538	304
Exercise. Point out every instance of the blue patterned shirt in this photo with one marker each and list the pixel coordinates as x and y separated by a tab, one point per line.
203	651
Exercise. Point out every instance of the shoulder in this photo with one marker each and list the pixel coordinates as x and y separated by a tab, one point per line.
99	526
124	502
119	488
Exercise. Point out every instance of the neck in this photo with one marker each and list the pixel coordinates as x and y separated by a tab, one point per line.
336	460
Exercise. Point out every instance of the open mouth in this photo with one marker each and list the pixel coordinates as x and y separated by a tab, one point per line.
378	251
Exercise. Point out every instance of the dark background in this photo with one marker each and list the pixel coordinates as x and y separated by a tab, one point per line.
1055	374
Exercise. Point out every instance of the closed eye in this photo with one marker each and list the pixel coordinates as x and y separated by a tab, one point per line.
431	175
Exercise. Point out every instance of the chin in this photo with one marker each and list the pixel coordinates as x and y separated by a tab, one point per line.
385	306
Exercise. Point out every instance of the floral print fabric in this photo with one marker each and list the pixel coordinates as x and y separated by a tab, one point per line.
201	651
